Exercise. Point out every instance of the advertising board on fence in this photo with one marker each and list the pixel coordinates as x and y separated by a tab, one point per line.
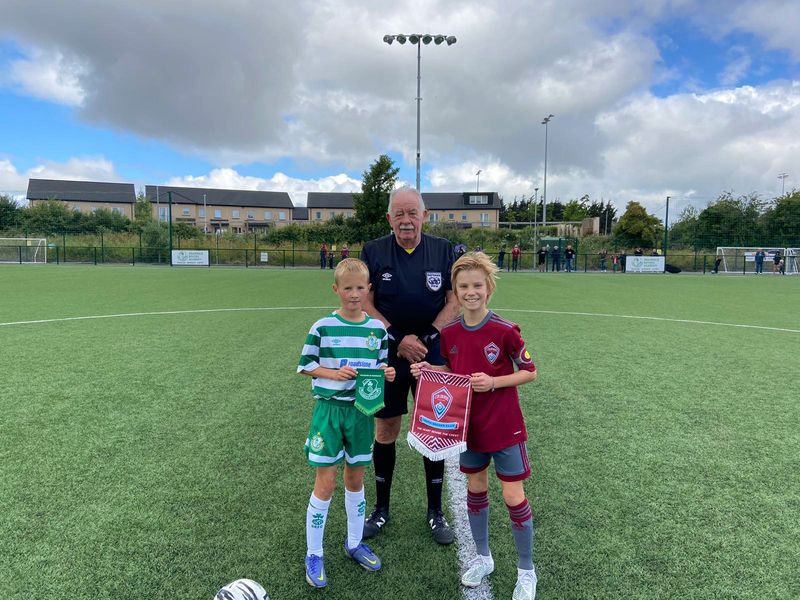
190	258
645	264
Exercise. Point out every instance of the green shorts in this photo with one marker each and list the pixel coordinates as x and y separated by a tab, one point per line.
339	431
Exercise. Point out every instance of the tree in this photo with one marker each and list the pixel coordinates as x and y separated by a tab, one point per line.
685	231
143	210
576	210
51	217
782	222
638	228
9	213
371	204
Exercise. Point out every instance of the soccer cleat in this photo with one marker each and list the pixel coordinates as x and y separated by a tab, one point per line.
315	571
364	556
478	568
375	522
440	528
526	585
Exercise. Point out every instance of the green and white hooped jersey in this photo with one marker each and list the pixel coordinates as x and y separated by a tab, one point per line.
333	343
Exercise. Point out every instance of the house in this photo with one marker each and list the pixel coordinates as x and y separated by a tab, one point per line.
215	210
463	209
85	196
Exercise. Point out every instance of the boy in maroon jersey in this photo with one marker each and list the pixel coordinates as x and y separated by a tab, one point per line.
492	352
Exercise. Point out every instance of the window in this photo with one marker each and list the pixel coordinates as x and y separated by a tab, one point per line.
235	214
268	215
318	215
202	212
162	213
331	214
484	219
282	215
475	199
434	217
250	214
451	216
217	213
116	210
463	216
185	212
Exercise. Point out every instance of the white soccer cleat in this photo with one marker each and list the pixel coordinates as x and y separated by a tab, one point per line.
478	568
526	585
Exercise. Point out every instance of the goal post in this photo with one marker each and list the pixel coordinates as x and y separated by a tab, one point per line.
741	259
23	250
791	257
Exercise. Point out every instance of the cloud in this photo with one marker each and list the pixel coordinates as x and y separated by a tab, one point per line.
48	76
737	68
74	169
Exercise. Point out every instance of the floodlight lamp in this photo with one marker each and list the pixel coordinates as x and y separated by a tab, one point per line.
427	38
438	39
388	39
451	39
413	38
401	38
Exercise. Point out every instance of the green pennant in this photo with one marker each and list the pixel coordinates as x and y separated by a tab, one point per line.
369	391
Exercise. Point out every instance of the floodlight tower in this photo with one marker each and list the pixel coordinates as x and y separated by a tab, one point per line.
545	121
418	39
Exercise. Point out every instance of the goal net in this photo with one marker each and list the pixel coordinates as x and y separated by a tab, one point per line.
23	250
742	259
792	255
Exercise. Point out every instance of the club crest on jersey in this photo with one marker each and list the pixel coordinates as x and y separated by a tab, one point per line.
433	279
491	352
441	400
373	343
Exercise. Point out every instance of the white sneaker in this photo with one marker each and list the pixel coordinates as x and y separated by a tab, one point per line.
526	585
478	568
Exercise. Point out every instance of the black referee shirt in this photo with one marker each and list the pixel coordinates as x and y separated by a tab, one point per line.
409	289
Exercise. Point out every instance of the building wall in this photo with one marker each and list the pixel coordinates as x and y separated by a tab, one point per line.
476	218
237	218
321	215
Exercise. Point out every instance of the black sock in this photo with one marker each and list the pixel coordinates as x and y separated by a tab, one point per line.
383	457
434	481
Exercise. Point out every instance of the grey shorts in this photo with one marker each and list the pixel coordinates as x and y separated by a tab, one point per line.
510	464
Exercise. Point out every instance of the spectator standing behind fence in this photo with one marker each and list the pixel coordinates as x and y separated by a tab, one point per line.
569	256
555	259
330	259
759	258
515	252
777	263
603	254
638	251
622	258
501	257
323	255
345	252
717	262
542	259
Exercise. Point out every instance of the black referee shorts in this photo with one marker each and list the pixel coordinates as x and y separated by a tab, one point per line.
395	397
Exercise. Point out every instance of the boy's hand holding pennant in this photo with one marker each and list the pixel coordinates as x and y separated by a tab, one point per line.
441	414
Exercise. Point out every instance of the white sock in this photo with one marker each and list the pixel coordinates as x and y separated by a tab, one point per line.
356	506
316	516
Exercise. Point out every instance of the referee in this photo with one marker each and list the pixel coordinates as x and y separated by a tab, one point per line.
411	293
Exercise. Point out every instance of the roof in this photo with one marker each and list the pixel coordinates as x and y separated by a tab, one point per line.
81	191
433	200
217	197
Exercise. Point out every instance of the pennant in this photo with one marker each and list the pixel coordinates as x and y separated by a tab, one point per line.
441	414
369	391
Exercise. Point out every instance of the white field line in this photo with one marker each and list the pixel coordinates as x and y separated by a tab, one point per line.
503	310
457	488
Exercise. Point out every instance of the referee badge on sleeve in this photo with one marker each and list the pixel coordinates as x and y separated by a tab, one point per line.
433	280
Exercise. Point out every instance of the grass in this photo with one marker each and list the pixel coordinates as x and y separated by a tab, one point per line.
161	455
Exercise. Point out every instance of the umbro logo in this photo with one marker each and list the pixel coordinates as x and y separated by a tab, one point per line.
386	277
454	350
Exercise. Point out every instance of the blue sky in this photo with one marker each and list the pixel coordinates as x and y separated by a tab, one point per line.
663	101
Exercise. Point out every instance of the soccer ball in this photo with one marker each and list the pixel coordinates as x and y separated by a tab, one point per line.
242	589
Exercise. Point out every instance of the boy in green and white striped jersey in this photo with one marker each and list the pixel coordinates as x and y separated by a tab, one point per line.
336	346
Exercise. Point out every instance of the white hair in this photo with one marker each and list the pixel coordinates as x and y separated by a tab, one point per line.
404	189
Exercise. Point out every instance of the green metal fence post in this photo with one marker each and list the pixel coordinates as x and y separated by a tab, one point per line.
94	248
133	255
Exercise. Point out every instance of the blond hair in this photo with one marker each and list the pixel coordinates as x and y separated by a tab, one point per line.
350	265
476	261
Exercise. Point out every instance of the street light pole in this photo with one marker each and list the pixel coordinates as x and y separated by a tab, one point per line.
478	184
419	39
783	177
545	121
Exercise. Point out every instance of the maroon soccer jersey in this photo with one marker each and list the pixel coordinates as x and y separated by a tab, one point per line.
493	347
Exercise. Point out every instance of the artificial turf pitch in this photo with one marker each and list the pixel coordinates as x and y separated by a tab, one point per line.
160	455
